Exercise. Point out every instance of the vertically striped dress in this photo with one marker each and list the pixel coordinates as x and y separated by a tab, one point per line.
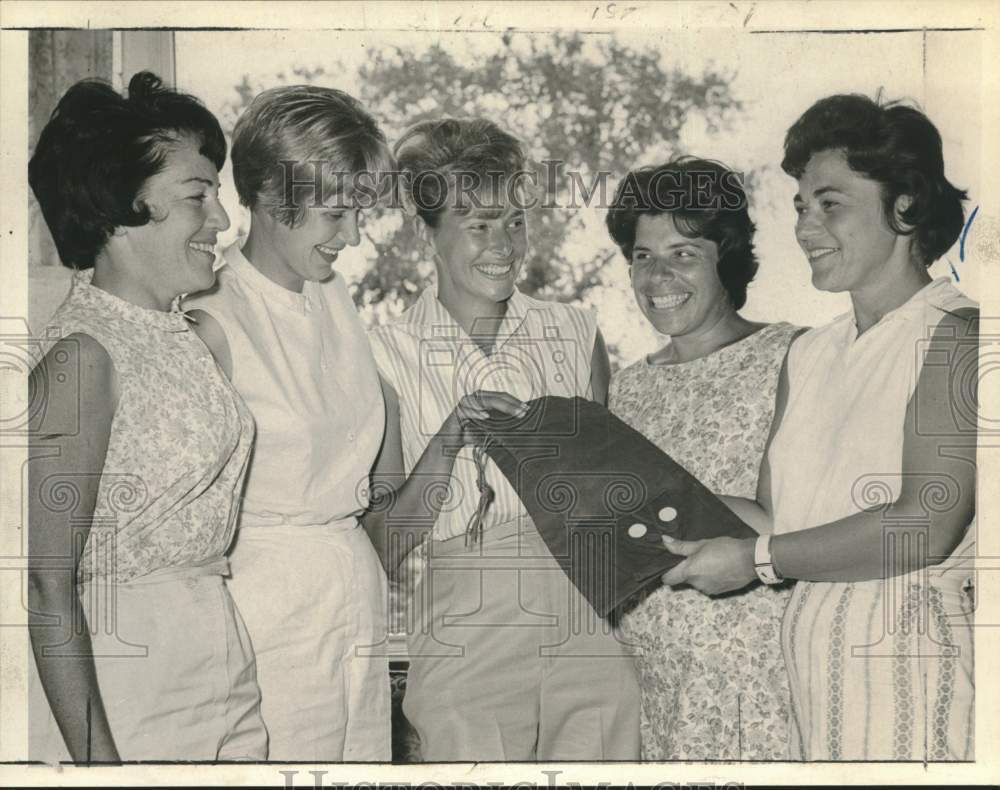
883	669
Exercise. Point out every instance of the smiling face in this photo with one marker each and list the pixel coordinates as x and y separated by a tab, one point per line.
842	226
309	250
479	254
675	278
175	251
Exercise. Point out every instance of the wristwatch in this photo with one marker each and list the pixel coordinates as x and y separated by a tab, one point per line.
762	561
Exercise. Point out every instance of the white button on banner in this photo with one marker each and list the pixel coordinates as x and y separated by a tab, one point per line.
637	530
667	514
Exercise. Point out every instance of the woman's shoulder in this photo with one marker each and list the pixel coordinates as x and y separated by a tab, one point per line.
948	304
396	339
779	333
75	351
807	336
640	374
576	320
402	324
412	322
222	296
77	319
780	336
77	373
526	302
631	374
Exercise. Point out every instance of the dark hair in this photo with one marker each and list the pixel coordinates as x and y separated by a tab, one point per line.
431	153
706	200
98	150
302	126
898	147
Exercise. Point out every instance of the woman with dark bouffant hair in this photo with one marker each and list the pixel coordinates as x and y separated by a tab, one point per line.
713	683
142	445
869	481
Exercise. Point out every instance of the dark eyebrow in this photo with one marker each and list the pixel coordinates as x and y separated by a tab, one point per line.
486	213
698	244
201	180
821	191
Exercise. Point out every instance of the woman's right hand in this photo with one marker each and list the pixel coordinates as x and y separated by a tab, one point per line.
476	406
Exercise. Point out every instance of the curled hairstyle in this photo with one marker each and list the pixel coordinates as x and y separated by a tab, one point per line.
292	138
898	147
706	200
97	151
437	156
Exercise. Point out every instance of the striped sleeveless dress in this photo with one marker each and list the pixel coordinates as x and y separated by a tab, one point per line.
508	660
882	669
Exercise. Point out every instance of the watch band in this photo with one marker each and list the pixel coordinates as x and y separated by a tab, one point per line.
762	561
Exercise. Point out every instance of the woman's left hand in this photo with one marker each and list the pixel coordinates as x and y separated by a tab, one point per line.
713	566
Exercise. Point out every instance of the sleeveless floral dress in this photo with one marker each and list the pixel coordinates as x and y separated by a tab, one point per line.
173	659
713	682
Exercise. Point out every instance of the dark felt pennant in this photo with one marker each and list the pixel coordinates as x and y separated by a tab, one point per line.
602	495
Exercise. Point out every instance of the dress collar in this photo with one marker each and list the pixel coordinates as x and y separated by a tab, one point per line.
83	292
934	293
270	290
434	320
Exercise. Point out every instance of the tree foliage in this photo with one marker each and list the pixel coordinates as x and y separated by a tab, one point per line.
593	103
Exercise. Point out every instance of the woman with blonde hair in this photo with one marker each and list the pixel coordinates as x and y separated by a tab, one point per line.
283	326
507	660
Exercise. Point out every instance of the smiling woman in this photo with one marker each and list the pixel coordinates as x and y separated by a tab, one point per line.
283	325
874	411
835	205
711	675
129	188
472	343
179	243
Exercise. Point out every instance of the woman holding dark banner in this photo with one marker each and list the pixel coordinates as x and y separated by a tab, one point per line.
141	446
713	682
284	327
498	671
869	481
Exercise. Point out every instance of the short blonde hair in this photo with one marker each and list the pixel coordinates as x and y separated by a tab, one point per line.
291	138
431	153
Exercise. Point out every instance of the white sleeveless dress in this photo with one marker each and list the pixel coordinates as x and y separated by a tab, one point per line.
305	575
883	669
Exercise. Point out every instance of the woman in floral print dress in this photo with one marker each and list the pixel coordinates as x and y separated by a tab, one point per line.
140	448
713	682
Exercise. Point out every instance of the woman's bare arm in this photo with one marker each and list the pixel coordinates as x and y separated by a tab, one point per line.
405	507
68	460
757	513
937	490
